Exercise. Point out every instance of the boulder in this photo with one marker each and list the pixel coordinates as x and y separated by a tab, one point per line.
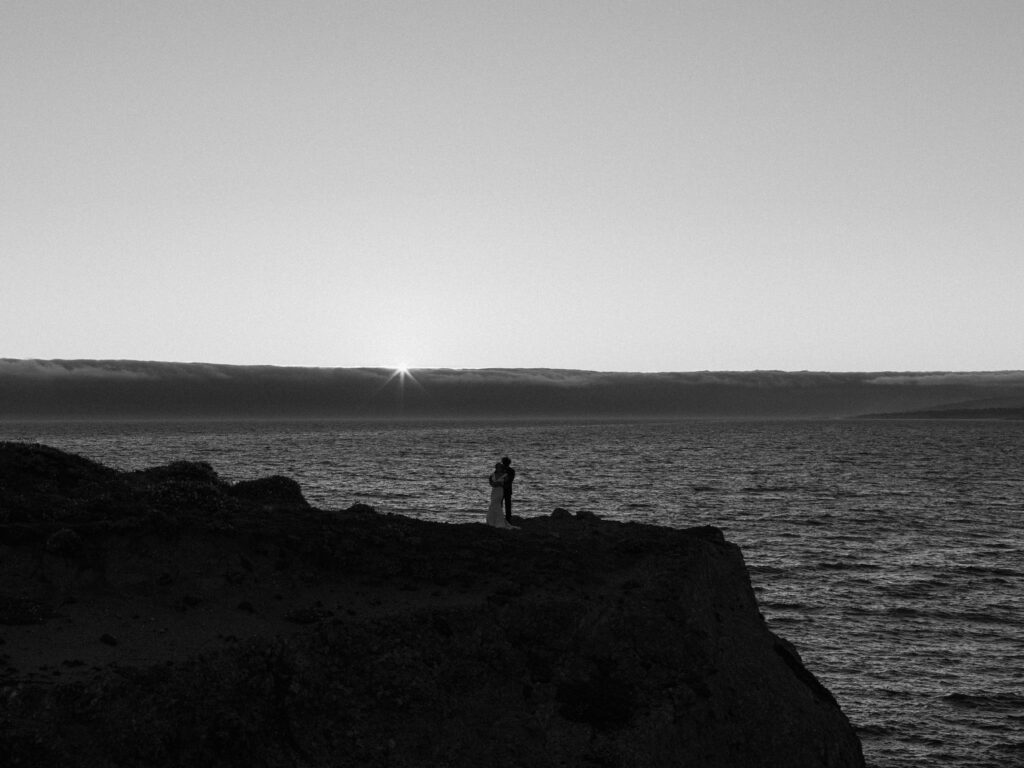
271	491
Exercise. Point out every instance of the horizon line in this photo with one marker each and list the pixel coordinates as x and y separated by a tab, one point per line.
412	368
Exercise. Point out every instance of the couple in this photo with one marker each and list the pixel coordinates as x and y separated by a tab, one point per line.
501	491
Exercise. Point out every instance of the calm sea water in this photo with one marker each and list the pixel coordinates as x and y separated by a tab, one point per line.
890	553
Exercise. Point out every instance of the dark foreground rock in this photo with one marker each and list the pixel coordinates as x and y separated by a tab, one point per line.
169	618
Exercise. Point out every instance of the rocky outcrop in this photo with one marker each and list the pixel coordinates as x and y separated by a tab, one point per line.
168	618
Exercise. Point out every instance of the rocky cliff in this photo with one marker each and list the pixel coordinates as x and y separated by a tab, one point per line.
166	617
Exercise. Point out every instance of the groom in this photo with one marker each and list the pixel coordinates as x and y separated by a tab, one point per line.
510	475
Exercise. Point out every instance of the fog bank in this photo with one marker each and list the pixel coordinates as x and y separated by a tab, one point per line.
79	389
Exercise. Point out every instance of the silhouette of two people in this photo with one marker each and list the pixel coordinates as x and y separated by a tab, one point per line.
500	512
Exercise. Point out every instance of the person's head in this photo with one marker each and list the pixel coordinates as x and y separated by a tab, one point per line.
506	461
499	467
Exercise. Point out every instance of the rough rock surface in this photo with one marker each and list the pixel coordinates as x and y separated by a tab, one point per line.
166	617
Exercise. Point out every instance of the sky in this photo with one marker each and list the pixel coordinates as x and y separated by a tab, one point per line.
614	186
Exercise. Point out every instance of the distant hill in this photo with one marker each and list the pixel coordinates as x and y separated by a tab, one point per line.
1003	414
110	389
1004	409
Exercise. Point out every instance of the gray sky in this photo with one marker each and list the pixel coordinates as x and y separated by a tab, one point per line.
614	186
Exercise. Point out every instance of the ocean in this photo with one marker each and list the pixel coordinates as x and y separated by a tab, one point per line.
890	553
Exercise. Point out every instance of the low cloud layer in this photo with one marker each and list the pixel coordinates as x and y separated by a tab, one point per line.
58	389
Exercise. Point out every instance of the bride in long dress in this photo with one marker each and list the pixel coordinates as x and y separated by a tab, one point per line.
495	514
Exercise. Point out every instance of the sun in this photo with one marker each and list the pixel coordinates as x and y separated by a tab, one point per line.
401	379
403	373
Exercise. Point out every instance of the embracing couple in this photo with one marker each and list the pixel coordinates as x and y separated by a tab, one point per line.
501	493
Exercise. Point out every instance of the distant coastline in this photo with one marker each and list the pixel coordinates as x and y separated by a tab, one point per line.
142	390
962	414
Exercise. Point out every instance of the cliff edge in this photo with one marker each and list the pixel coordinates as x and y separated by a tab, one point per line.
166	617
